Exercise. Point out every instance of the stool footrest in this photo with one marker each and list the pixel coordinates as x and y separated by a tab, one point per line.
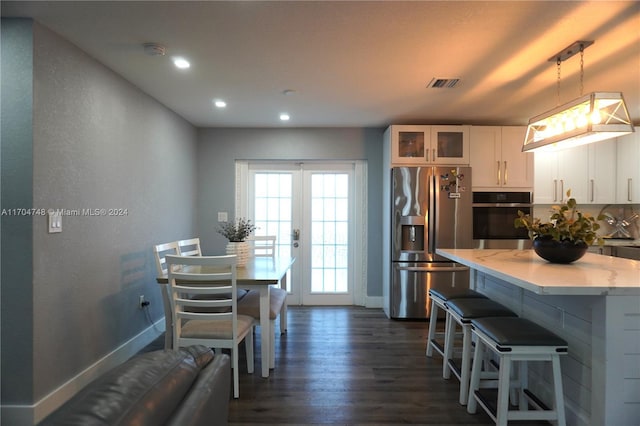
538	404
489	403
437	346
457	371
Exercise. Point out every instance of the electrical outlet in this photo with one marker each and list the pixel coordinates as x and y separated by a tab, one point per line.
142	303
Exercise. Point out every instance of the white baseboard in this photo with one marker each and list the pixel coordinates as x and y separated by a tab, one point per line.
374	302
28	415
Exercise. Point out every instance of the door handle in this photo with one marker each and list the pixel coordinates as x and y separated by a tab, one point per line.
506	176
295	234
434	269
498	165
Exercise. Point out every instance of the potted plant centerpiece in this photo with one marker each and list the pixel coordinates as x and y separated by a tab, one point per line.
567	235
237	233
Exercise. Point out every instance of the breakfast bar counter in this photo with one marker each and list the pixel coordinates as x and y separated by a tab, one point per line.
592	275
594	304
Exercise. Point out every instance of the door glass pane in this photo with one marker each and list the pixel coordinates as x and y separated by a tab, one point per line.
272	204
329	232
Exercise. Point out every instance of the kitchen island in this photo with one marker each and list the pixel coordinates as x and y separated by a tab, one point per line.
594	304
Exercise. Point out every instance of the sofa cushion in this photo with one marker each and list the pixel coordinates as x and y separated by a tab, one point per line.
207	403
143	391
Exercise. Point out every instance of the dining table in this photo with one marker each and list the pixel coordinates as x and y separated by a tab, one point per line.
259	273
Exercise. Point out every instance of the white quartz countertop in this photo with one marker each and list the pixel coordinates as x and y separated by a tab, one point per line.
593	274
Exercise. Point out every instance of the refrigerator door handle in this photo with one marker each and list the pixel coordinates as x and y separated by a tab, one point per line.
433	269
432	214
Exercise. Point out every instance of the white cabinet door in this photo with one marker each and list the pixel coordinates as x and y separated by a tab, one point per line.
485	145
559	171
573	173
449	145
628	173
410	145
517	166
497	159
602	172
545	182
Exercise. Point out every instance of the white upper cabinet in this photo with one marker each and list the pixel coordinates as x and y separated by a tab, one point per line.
628	168
419	145
557	172
601	187
449	145
497	159
589	171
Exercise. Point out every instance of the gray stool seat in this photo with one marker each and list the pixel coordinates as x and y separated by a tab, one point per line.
516	332
516	341
438	298
462	311
468	309
455	293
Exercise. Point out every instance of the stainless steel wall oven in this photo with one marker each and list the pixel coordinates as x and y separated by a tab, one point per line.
493	216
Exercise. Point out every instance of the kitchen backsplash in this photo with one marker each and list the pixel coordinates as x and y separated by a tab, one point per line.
620	211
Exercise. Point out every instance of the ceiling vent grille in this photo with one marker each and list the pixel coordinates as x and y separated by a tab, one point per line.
443	83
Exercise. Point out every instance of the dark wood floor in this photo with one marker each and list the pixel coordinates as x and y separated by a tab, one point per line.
350	366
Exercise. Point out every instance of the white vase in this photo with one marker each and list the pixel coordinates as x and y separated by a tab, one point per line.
240	249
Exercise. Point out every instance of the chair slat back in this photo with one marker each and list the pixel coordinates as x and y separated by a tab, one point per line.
193	276
189	247
160	251
263	245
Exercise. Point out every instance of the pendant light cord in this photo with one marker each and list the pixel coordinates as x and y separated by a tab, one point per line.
581	69
558	62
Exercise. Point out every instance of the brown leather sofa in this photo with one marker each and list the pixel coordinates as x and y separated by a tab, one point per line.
188	387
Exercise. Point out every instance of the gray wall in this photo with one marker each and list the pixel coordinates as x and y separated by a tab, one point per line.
218	149
16	307
98	142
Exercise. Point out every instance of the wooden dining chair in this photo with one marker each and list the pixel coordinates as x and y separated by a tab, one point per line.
265	246
189	247
262	245
191	276
160	251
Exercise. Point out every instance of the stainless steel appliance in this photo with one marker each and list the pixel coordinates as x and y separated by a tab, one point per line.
431	208
493	216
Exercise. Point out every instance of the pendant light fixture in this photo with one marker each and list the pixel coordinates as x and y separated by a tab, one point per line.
594	117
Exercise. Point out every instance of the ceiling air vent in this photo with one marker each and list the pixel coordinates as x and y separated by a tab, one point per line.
442	83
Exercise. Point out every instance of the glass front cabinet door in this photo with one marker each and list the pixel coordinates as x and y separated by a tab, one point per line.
429	144
449	145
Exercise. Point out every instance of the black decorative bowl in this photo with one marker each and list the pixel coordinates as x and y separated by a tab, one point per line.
559	251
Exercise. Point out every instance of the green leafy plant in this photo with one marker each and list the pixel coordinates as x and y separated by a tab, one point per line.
237	231
566	223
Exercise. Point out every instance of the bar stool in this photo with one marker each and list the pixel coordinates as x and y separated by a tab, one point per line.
462	311
438	299
516	339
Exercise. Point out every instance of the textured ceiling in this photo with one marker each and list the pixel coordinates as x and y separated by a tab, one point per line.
356	63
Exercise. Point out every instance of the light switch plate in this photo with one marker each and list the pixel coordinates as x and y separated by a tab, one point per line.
223	217
55	222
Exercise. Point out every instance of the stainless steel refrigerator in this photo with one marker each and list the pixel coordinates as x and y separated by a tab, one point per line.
431	208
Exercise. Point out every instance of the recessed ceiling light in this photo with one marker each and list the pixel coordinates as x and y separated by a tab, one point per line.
284	116
219	103
181	63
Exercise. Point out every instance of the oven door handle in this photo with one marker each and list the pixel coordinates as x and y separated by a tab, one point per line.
433	269
508	205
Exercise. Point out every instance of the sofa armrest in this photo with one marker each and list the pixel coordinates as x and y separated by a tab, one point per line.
207	403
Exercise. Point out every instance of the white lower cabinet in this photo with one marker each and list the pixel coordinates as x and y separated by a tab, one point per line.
628	169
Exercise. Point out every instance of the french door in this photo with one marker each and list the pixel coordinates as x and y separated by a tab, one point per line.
317	212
